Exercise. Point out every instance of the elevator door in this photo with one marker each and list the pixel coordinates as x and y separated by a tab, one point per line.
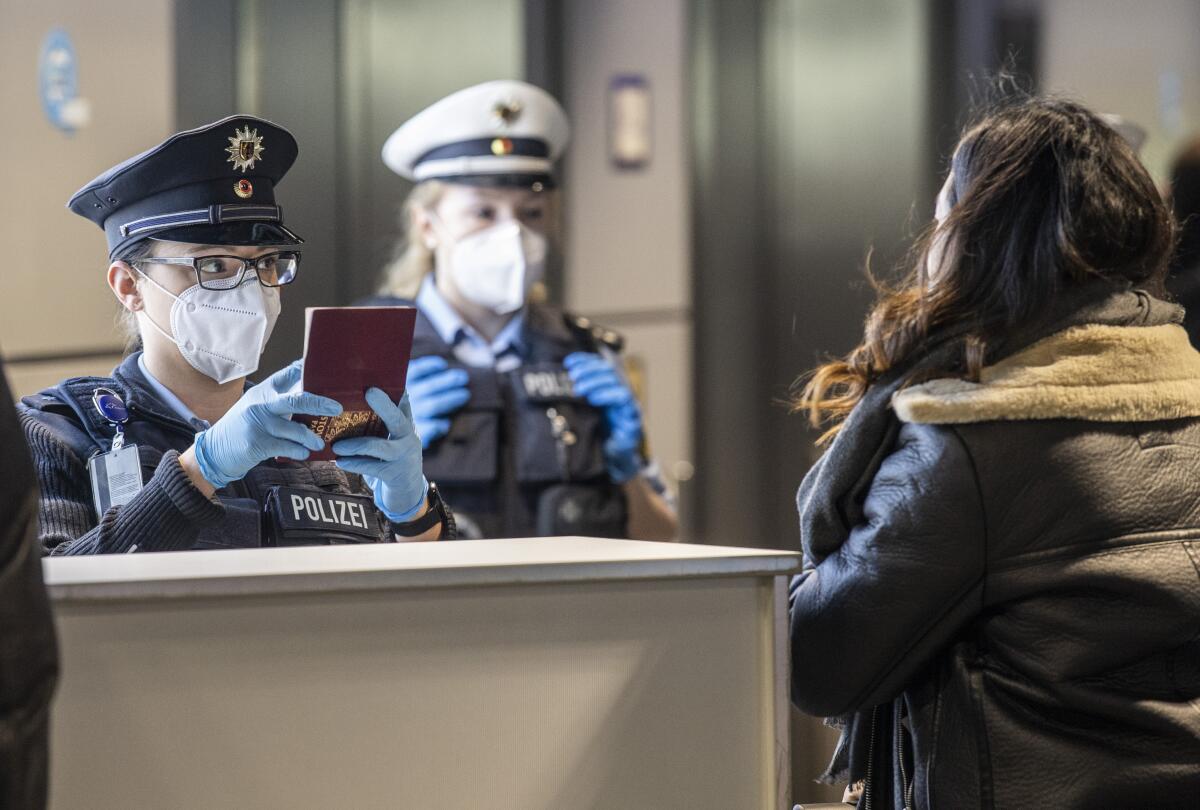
812	150
342	76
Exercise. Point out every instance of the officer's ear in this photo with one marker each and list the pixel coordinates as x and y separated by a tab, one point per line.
421	227
122	280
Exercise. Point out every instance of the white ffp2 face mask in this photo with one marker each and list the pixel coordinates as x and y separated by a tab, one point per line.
496	267
222	333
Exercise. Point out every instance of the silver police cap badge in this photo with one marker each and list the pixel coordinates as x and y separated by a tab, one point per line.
245	148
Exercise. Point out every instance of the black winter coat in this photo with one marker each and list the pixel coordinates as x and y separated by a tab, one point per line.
28	650
1015	622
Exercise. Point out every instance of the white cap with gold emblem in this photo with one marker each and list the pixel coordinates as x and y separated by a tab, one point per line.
502	133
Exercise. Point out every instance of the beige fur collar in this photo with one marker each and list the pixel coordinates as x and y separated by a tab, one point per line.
1094	373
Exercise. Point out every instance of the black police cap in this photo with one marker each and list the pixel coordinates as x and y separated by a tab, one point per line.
213	185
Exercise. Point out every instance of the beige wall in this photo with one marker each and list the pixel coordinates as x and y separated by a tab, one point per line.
629	239
53	299
1114	55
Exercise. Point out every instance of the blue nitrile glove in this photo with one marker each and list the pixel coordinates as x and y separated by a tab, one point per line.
597	381
436	391
391	466
259	427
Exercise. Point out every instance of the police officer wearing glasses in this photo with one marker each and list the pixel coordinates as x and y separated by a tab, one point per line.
176	450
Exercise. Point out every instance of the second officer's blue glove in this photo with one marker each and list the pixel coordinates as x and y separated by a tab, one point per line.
436	391
260	427
595	379
391	466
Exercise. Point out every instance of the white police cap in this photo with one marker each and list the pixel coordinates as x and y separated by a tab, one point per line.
504	133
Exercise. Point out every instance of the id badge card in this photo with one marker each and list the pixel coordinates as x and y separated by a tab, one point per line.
116	478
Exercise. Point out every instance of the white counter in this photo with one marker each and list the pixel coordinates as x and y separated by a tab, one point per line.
545	673
311	569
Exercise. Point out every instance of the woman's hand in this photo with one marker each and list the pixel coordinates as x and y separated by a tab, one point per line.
436	391
391	466
259	427
597	381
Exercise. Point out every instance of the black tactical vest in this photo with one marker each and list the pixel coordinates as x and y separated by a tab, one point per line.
277	503
525	456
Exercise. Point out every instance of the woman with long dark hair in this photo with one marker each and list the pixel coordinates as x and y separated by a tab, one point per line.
1001	597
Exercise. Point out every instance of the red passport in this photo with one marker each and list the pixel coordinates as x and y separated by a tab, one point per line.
346	351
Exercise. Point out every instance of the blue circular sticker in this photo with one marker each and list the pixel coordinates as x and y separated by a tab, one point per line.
111	407
58	79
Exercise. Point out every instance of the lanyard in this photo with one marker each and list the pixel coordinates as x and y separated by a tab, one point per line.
109	405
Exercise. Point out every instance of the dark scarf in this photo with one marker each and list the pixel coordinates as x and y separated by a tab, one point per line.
832	493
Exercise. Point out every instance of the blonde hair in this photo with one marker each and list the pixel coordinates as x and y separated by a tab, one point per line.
126	319
127	327
413	259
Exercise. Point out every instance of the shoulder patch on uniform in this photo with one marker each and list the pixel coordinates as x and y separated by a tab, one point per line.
609	338
594	332
44	401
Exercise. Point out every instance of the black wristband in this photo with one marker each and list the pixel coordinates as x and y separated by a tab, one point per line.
438	513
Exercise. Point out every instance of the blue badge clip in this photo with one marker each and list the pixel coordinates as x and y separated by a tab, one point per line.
110	406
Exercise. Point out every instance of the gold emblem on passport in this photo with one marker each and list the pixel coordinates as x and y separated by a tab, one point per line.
506	113
502	146
245	148
243	188
347	425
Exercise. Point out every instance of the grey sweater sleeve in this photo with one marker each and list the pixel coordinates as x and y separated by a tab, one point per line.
167	515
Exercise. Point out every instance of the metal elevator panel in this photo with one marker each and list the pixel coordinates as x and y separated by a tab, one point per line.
342	76
845	125
396	59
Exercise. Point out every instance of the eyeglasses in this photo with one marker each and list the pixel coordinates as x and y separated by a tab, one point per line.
227	272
